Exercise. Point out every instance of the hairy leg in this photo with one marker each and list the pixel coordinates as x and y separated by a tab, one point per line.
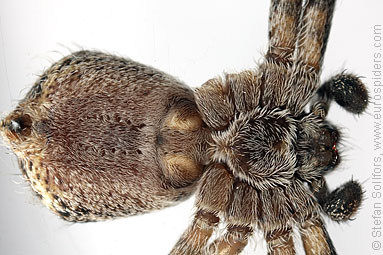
212	197
313	36
308	56
233	241
279	241
240	217
194	239
284	21
283	29
315	238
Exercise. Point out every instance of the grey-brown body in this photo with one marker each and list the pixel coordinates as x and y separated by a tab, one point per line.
100	136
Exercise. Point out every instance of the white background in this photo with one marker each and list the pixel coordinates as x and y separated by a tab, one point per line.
194	41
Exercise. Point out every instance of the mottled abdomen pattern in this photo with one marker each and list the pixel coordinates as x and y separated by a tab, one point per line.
100	136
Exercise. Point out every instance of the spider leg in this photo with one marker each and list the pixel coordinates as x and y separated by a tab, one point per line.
240	217
280	241
195	238
271	210
219	98
282	208
233	242
313	36
315	238
212	197
283	29
342	203
308	57
284	26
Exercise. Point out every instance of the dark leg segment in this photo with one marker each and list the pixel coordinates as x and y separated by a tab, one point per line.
347	90
342	203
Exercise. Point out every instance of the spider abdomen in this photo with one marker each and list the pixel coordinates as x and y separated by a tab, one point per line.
100	136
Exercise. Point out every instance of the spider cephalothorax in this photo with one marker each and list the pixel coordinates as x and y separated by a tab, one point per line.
100	136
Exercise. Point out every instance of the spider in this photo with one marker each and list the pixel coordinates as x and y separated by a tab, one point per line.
100	136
